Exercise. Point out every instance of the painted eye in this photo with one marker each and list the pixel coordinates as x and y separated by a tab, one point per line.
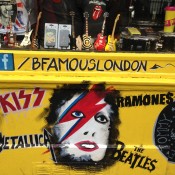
101	119
77	114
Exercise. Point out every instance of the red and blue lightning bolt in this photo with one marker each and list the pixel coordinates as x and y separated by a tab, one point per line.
87	104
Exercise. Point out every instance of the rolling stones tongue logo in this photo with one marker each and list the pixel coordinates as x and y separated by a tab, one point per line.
97	12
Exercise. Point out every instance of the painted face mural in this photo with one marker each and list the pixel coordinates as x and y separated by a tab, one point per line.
83	122
83	133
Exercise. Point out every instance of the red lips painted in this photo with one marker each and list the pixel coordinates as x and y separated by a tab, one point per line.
97	12
87	146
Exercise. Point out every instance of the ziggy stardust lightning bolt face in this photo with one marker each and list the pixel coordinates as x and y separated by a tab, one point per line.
82	128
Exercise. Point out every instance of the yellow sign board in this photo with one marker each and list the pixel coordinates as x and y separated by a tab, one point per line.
58	127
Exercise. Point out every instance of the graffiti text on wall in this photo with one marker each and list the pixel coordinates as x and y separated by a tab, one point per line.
145	100
17	101
75	64
135	159
27	141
